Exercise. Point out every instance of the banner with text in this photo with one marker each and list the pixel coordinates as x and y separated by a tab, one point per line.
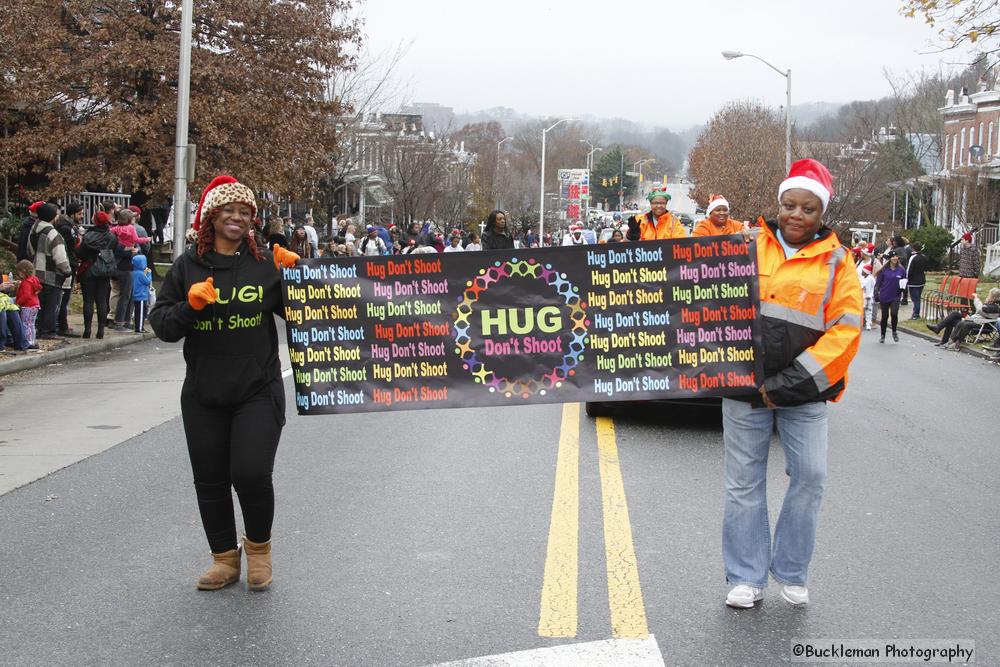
622	321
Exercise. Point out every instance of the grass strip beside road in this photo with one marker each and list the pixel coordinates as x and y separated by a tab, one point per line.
558	616
628	612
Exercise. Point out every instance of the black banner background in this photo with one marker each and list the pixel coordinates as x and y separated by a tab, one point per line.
609	322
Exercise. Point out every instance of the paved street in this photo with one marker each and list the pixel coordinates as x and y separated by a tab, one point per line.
418	538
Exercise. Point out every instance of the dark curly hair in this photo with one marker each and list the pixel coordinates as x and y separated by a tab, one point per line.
206	237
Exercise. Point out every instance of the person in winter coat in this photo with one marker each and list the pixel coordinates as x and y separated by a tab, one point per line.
276	234
889	291
11	328
657	223
67	225
955	327
717	221
142	278
220	297
497	235
372	245
868	288
47	250
25	231
27	297
299	243
121	282
810	312
916	277
968	257
94	276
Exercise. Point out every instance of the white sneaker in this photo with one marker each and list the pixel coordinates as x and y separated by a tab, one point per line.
795	594
744	597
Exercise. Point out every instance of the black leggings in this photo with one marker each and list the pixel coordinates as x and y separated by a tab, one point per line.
95	293
234	447
893	307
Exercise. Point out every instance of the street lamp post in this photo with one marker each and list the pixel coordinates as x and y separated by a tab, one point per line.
496	173
541	196
638	166
730	55
181	142
590	168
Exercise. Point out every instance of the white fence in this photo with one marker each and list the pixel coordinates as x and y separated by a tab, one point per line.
92	201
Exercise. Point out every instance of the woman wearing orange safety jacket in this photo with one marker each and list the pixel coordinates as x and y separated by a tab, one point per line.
717	221
810	310
656	224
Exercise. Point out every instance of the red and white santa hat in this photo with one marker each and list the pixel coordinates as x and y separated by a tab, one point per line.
808	174
576	227
715	201
221	191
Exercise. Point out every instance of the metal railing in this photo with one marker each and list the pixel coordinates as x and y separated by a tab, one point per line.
92	201
991	266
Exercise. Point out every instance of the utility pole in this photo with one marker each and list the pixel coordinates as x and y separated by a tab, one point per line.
181	141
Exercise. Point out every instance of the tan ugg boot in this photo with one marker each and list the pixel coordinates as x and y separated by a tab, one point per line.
224	571
258	564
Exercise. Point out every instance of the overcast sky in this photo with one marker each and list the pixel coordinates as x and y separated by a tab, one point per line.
651	62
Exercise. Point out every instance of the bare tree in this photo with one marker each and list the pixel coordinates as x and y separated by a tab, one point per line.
740	155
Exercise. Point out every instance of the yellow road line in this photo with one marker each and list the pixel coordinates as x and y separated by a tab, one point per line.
628	613
558	617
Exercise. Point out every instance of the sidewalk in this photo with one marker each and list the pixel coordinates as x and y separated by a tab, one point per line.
54	351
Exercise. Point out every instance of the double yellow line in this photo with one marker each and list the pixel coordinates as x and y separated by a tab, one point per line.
558	617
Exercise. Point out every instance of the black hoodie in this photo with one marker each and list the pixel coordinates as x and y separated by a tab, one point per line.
231	346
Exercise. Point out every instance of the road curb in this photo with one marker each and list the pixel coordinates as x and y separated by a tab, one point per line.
71	351
932	338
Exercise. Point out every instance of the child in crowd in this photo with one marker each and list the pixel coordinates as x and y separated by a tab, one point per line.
868	286
27	297
11	329
142	278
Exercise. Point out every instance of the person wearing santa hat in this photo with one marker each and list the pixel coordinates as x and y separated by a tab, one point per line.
220	297
26	225
810	317
717	221
968	257
658	223
575	235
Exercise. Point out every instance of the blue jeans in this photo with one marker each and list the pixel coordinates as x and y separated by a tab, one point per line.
915	293
747	549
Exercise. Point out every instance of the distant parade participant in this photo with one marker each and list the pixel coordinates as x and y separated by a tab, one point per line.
497	235
220	297
810	313
656	224
454	242
717	221
575	235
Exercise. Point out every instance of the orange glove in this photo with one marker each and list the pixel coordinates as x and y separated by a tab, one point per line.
201	294
284	258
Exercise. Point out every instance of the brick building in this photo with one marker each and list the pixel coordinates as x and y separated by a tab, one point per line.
968	183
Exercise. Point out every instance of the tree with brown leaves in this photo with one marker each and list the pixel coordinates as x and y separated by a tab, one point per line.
94	87
741	155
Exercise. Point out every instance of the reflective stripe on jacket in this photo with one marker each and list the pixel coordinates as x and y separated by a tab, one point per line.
666	227
810	306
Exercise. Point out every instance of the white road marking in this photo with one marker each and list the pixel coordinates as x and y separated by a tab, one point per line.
606	653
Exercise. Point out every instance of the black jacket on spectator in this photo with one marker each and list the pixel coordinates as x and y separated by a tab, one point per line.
916	272
494	240
65	227
22	239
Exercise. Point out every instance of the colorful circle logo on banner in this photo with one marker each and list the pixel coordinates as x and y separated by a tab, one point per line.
527	350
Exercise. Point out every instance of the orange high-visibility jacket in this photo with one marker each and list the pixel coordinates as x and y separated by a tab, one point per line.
810	308
666	227
708	228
